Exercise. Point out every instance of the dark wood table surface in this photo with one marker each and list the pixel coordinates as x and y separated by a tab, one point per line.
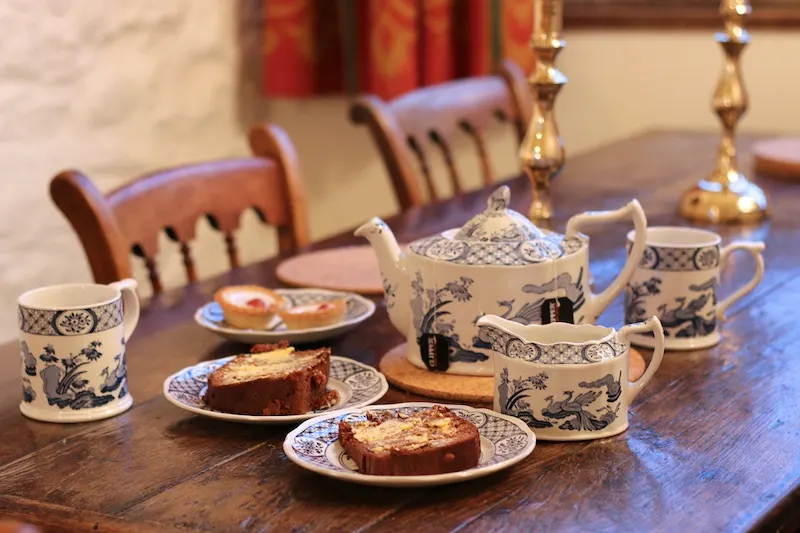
713	445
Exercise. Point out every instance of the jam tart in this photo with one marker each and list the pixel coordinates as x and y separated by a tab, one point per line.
249	306
316	315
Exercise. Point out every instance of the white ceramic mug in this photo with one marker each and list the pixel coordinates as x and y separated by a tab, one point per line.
677	280
72	343
567	382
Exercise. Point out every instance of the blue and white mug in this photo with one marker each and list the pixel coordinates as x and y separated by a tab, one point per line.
72	345
678	279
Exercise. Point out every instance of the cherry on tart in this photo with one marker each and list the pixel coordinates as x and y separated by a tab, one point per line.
316	315
248	306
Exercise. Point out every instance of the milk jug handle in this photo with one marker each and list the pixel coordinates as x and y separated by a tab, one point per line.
652	325
634	211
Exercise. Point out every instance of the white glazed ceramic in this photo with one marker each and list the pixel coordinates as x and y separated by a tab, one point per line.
358	310
677	280
497	263
314	445
356	383
72	343
567	382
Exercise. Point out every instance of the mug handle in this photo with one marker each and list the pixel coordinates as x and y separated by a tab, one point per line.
755	249
654	325
130	304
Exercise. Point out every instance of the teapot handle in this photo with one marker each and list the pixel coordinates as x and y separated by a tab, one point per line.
634	211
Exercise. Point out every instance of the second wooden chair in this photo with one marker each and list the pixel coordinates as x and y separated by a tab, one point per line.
437	112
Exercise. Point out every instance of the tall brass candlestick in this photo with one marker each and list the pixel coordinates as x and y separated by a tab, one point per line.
726	196
542	151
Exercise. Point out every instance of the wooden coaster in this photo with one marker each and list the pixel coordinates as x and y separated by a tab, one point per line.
477	389
350	268
778	158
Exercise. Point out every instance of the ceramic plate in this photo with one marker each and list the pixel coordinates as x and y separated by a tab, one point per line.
357	384
358	310
314	445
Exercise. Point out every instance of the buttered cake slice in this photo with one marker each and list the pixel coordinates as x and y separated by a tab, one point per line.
433	441
274	379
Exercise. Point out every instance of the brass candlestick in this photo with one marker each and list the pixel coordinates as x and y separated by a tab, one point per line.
727	196
542	151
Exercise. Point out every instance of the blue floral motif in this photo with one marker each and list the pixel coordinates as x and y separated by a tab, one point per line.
683	316
670	259
75	322
113	378
28	394
390	291
431	316
70	322
28	358
572	413
636	295
63	378
552	354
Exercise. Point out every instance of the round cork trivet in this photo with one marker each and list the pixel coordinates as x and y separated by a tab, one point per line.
350	268
778	158
477	389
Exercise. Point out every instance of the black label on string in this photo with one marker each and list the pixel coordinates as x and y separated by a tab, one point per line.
557	311
434	350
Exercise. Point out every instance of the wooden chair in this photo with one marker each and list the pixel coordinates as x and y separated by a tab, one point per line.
437	112
130	218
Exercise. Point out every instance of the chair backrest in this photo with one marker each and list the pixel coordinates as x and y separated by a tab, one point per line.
437	112
131	218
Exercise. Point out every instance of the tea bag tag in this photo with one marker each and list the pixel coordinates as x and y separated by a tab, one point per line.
557	311
435	351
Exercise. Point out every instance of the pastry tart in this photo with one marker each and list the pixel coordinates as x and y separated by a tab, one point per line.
316	315
248	306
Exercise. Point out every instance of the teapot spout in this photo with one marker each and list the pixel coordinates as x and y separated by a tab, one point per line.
396	284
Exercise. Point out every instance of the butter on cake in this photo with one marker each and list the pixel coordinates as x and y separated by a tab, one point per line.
433	441
272	380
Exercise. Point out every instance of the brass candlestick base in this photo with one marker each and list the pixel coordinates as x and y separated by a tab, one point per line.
726	196
542	151
710	201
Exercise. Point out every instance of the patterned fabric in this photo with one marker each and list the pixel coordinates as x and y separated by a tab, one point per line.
387	47
668	259
553	354
71	321
319	443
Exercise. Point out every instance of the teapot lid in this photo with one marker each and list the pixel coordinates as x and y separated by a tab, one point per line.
497	236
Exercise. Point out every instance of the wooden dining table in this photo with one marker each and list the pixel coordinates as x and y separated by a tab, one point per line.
713	442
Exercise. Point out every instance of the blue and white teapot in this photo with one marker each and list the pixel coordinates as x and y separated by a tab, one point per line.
497	263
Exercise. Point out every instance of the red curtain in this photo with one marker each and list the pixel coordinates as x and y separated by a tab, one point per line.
387	47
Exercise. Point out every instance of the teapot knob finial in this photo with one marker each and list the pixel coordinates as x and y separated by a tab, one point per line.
499	199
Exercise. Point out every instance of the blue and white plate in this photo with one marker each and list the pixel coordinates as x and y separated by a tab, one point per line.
314	445
357	384
358	310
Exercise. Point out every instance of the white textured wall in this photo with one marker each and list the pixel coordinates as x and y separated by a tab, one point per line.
150	83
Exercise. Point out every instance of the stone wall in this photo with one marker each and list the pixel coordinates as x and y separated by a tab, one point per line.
118	91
